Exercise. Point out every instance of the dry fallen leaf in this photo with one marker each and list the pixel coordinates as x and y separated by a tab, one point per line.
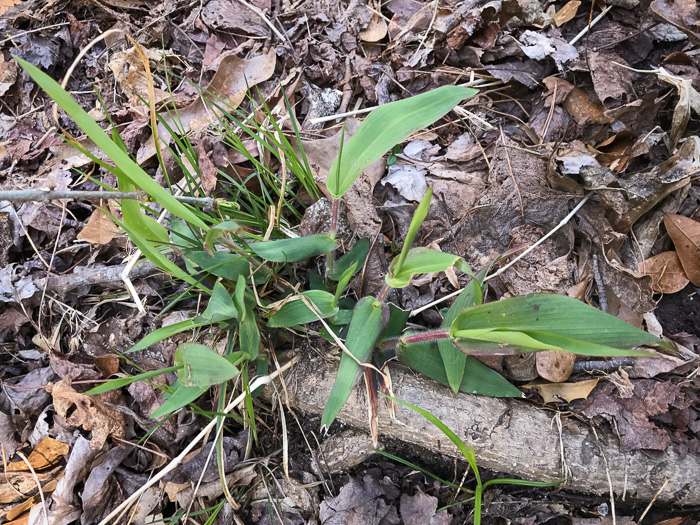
685	234
93	413
556	392
566	13
665	271
99	229
6	4
376	30
555	366
44	455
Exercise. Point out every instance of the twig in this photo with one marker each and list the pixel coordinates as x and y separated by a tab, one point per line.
269	24
427	31
607	473
193	443
652	502
589	26
511	263
102	275
38	195
22	33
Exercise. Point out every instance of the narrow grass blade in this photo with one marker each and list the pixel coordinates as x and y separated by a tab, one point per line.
387	126
182	396
248	331
124	381
369	318
292	250
131	169
165	332
344	280
467	451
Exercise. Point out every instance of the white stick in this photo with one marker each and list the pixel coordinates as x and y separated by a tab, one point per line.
511	263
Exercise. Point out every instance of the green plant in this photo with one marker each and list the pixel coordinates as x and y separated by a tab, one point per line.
468	452
239	255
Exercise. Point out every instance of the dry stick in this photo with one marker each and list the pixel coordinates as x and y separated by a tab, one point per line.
176	461
427	31
607	473
653	500
589	26
511	263
38	195
41	490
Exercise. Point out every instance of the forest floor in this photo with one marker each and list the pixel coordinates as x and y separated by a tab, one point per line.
573	103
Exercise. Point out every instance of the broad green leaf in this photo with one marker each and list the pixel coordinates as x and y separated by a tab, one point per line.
296	312
226	265
420	260
344	280
165	332
387	126
477	377
369	318
292	250
217	231
453	359
557	314
124	381
201	366
220	306
131	169
182	396
534	341
358	254
416	221
248	332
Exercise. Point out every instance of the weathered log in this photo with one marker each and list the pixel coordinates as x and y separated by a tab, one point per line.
509	436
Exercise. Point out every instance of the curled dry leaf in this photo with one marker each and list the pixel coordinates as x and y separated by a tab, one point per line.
558	392
93	413
665	271
375	31
685	234
688	99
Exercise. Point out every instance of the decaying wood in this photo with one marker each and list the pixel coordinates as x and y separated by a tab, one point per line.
509	436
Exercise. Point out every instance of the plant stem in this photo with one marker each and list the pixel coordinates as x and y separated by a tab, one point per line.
330	257
48	195
383	293
425	336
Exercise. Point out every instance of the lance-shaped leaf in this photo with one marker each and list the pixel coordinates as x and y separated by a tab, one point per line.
358	254
292	250
220	307
297	312
217	231
387	126
477	378
418	217
419	260
202	367
453	359
248	332
182	396
556	314
369	318
92	129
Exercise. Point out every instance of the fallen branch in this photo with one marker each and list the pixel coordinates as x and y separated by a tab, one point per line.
54	195
509	436
97	275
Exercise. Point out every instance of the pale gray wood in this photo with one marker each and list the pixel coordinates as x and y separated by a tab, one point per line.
509	436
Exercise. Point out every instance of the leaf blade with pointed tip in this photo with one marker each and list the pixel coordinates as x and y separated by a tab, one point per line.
296	312
387	126
556	314
295	249
201	366
369	318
